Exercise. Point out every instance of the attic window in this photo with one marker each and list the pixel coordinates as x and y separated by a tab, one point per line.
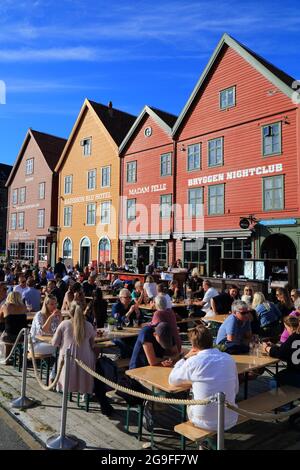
227	98
87	146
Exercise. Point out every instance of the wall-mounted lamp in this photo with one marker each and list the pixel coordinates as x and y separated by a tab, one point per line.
182	148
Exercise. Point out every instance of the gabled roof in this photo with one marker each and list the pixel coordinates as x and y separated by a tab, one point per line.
117	123
280	79
163	119
4	172
51	147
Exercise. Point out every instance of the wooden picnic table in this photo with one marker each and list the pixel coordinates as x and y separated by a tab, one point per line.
215	318
102	344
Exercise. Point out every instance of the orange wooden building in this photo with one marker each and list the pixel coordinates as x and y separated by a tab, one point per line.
89	179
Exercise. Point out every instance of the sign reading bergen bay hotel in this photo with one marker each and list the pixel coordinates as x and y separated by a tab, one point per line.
89	172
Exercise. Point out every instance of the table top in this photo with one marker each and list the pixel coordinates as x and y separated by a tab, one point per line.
215	318
247	362
127	332
158	377
102	344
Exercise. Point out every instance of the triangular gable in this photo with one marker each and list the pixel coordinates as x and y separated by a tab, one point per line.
160	117
41	139
276	76
124	120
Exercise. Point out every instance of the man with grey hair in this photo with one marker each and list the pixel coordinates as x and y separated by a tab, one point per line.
125	309
235	332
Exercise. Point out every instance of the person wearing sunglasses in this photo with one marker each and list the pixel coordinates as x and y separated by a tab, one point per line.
235	333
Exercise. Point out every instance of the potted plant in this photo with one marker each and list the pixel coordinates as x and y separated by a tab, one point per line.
111	323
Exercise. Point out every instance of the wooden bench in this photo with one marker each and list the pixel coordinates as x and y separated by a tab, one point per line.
261	403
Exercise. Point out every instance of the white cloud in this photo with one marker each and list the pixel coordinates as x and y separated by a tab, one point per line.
53	54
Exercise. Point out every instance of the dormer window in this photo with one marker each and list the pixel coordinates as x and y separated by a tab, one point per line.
86	145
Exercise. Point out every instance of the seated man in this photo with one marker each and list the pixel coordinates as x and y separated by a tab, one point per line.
89	286
125	309
116	283
235	332
201	307
221	304
210	371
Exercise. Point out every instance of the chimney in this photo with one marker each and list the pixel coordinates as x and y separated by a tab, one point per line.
110	109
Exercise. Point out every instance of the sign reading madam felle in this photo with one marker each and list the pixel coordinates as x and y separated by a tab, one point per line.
230	175
153	188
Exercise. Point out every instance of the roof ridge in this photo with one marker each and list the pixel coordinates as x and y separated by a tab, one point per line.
47	133
107	107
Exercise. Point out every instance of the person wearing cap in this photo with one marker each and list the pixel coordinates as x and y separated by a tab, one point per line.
152	344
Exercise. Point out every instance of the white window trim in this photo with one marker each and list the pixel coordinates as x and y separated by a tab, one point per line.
68	176
91	204
87	185
71	216
108	185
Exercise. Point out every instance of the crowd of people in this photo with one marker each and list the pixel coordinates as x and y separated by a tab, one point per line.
48	292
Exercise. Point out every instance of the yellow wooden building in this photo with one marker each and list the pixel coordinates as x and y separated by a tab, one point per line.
89	186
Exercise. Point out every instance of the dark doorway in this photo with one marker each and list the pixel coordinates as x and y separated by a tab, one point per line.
143	255
214	259
278	246
85	256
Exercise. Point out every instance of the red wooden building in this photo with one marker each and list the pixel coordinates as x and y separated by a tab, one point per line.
147	189
237	152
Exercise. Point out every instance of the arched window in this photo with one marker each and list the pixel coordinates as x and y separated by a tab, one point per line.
67	248
104	250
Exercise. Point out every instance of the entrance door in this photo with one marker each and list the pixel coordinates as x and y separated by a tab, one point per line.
143	255
214	259
85	252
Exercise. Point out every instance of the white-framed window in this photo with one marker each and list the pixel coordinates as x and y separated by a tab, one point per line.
68	184
14	198
166	205
227	98
131	209
67	248
41	218
13	221
29	251
215	152
42	249
42	190
195	201
29	166
92	177
273	193
105	176
216	199
91	214
193	157
14	250
105	212
21	216
271	135
131	172
166	164
68	216
86	146
22	195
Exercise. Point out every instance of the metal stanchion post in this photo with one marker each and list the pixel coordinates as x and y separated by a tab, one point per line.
24	402
221	420
64	442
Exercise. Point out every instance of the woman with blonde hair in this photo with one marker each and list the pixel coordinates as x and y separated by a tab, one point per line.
45	322
267	314
13	313
78	335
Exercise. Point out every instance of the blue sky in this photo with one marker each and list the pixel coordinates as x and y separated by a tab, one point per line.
53	54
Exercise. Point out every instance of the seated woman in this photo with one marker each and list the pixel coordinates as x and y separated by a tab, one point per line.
288	352
45	322
79	296
96	311
166	315
247	295
268	316
68	298
150	287
284	302
296	313
78	335
221	303
137	292
13	313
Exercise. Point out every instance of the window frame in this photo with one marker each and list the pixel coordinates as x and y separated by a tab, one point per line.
95	179
201	188
160	206
209	213
167	154
41	211
208	154
89	139
71	184
200	158
108	203
104	168
15	196
42	184
262	139
70	215
13	217
24	193
135	171
27	173
127	201
234	98
20	227
283	193
91	212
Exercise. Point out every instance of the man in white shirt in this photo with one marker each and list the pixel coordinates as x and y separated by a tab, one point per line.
21	287
210	293
210	371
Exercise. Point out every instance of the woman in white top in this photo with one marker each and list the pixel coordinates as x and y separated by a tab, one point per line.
150	287
45	322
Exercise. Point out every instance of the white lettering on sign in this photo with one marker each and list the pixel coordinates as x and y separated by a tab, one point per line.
88	198
154	188
29	206
231	175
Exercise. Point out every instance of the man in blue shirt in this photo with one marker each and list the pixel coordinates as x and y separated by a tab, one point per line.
236	329
32	296
125	310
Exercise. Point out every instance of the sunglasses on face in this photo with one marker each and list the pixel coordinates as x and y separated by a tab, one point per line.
243	312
